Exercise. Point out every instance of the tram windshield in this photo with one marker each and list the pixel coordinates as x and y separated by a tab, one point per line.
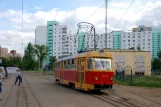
99	63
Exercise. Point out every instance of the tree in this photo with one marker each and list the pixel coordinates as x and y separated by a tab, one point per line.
138	48
156	64
52	61
41	52
159	54
29	57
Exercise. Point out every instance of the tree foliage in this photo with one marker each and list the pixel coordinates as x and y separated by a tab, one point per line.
156	63
41	52
29	57
52	61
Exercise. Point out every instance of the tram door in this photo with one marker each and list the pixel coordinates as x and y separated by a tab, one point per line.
80	69
61	72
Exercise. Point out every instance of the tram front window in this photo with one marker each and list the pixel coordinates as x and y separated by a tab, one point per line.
99	63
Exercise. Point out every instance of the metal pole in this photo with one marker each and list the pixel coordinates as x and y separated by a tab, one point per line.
94	39
106	23
39	62
0	50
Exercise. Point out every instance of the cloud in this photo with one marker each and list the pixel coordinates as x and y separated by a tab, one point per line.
37	8
152	16
147	13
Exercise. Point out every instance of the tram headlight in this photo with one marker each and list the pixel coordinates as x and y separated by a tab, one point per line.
96	78
111	78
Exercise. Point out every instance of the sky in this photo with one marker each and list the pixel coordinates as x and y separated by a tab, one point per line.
71	12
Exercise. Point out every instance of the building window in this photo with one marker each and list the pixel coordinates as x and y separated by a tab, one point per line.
128	40
133	40
124	41
148	39
148	43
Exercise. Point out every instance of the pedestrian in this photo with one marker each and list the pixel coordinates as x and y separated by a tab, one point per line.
1	80
18	78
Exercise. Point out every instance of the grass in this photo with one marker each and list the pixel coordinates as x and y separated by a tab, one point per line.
143	81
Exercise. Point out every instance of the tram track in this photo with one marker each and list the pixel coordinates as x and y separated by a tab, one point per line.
7	96
33	93
159	104
21	97
110	98
116	101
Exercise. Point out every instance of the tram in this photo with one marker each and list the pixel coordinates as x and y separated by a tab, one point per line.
86	71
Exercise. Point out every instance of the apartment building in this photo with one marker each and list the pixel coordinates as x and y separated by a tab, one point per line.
146	38
3	52
40	35
57	37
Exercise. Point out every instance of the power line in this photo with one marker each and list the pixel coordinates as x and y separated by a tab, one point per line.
124	14
95	11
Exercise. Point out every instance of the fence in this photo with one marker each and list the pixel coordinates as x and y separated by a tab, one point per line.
129	75
156	72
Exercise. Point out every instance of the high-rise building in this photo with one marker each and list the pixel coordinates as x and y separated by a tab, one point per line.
62	43
49	38
156	41
144	38
40	35
57	38
117	39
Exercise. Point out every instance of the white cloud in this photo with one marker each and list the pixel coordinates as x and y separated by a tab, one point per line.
37	8
139	13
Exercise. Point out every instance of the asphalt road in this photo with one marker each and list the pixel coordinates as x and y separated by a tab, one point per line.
38	90
48	94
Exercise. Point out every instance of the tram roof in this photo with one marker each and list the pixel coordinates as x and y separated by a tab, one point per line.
66	58
85	54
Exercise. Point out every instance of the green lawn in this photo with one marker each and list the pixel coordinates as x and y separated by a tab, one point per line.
143	81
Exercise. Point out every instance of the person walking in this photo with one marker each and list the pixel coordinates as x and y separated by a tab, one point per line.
1	81
18	78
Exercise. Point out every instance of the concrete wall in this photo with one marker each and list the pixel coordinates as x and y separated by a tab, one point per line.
138	61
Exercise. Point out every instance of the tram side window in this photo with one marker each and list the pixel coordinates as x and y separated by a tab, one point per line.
58	65
73	65
64	64
90	64
69	64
